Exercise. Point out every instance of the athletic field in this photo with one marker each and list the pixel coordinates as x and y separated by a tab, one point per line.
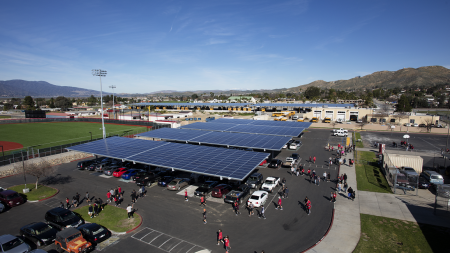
53	134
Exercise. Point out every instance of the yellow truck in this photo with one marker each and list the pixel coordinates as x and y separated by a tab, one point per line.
327	120
277	114
314	120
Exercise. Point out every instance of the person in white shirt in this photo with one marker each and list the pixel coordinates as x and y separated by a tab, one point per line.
130	211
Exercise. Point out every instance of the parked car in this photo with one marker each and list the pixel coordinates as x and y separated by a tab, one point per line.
407	124
92	166
11	198
423	183
84	164
205	188
101	166
71	240
220	191
110	170
146	178
409	171
293	145
61	218
94	233
415	125
422	125
127	175
178	183
439	126
12	244
275	163
254	180
165	180
119	172
258	198
288	144
239	194
295	156
433	177
39	233
2	208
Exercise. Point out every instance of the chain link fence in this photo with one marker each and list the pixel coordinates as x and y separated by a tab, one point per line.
442	200
399	181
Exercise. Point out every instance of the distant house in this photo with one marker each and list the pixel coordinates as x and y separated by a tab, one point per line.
242	99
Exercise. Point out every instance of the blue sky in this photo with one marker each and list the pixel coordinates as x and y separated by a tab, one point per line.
149	46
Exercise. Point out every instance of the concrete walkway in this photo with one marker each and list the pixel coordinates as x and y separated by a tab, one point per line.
346	229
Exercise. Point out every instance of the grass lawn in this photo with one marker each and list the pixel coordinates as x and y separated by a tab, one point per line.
358	137
54	134
368	174
113	218
41	192
380	234
435	112
5	116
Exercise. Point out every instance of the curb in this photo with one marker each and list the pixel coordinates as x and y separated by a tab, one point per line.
326	233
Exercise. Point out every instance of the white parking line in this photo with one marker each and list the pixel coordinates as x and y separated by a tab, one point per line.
170	248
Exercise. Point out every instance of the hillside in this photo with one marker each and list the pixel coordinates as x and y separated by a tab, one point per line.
20	88
425	76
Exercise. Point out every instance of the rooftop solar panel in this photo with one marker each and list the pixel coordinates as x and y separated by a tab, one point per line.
220	162
264	122
244	140
252	129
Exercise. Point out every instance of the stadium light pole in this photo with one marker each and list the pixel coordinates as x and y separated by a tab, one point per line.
114	111
100	73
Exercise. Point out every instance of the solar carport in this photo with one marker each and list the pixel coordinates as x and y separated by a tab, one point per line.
219	162
243	140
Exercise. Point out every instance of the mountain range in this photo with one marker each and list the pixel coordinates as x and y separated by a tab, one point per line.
406	77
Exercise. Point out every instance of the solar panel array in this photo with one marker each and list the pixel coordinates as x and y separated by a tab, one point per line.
195	104
251	129
254	141
228	163
304	105
264	122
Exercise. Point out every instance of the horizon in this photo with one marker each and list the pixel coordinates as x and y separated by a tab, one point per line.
230	45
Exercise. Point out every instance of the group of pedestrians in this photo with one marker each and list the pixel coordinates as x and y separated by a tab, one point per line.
225	240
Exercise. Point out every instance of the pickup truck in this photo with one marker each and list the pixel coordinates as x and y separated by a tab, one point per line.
238	194
270	184
290	161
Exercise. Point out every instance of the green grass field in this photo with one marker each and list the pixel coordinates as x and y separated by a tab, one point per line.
368	174
358	137
54	134
113	218
380	234
41	192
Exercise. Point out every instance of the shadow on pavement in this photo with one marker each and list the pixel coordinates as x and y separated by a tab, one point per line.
58	179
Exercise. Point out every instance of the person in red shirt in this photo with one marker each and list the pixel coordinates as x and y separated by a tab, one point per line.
219	237
68	203
226	242
279	204
108	197
202	201
314	159
119	189
185	195
236	207
308	206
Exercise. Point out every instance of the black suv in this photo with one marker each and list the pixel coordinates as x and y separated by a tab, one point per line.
61	218
275	163
254	180
84	164
147	178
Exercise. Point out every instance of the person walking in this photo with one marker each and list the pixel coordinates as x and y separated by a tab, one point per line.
95	210
108	197
298	170
202	201
339	187
310	159
74	201
77	196
292	170
119	189
100	203
334	196
204	216
286	192
331	196
328	177
345	187
133	196
112	193
261	214
350	193
219	237
314	159
116	200
130	211
308	206
315	179
324	176
345	176
144	191
311	177
226	243
279	206
250	209
236	207
90	211
302	170
318	180
87	197
67	203
61	204
185	195
345	161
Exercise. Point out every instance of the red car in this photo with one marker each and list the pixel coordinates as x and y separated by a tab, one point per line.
11	198
119	172
220	191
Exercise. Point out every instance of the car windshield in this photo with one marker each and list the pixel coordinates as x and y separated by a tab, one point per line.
256	197
11	244
436	177
67	216
173	183
42	229
253	178
268	182
205	185
12	196
98	230
216	190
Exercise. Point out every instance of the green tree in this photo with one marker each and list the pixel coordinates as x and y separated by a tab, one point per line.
404	104
194	96
29	103
92	100
63	102
312	93
51	103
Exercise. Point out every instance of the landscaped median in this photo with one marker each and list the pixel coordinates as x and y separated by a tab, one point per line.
381	234
42	192
113	218
368	174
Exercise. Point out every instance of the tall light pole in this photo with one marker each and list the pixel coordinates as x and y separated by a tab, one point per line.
100	73
114	111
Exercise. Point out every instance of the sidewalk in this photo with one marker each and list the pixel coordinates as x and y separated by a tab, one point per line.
346	230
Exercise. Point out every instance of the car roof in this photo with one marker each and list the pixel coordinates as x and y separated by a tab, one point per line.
89	225
34	225
258	193
67	232
220	186
8	192
6	238
58	210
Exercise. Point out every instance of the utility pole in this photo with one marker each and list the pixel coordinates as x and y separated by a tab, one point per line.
114	111
100	73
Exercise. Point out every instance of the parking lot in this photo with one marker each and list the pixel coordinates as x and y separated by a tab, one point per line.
171	224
